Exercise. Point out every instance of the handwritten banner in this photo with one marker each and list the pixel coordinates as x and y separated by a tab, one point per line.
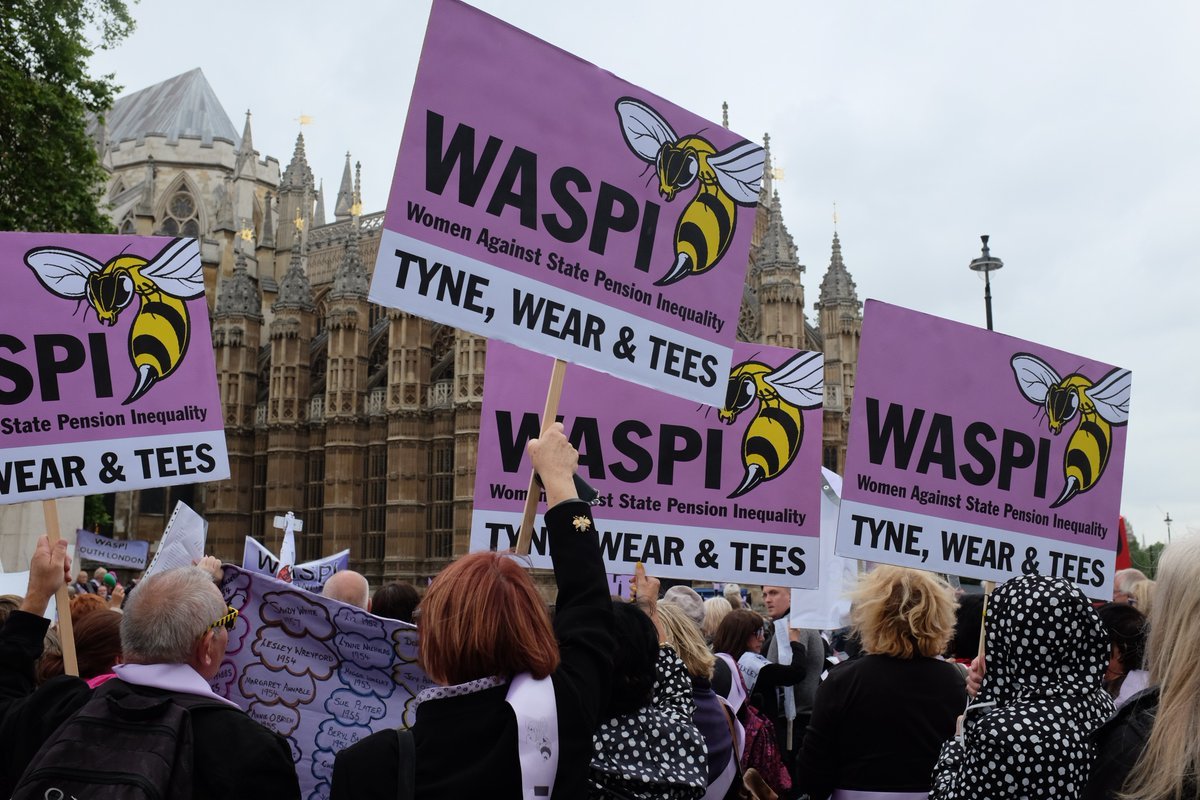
107	377
131	553
310	575
542	201
979	454
321	673
716	494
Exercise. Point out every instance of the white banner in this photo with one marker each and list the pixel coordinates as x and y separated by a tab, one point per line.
112	465
556	322
874	533
310	575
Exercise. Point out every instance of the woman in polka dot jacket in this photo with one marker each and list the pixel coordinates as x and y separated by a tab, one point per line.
1026	735
647	747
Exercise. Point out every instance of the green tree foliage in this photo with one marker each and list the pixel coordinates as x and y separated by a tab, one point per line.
95	513
1143	558
50	173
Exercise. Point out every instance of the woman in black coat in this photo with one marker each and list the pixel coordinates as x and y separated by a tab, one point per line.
486	638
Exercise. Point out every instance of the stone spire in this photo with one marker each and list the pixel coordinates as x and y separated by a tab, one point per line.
837	286
345	195
778	248
319	214
350	279
296	188
725	114
768	178
297	176
247	155
294	289
238	294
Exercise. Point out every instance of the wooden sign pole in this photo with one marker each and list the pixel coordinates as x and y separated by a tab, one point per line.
553	395
988	587
66	634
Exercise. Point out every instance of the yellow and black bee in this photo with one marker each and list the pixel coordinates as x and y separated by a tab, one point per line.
1099	406
726	180
159	336
773	437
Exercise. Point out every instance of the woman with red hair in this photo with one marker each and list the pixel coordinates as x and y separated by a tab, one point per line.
518	697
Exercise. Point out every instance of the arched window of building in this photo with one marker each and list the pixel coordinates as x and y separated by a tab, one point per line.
181	213
322	310
439	508
375	314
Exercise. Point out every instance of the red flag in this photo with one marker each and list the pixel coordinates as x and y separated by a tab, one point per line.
1123	559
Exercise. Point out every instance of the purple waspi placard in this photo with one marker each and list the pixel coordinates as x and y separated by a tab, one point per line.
691	491
107	377
978	454
542	201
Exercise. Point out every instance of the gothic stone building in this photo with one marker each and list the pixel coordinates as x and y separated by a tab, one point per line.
362	420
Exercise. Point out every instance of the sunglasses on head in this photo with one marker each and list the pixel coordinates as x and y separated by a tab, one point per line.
228	621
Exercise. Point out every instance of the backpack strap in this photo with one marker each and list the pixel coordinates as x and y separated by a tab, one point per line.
408	765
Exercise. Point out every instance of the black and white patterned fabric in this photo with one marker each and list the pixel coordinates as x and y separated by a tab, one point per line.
656	753
459	689
1027	732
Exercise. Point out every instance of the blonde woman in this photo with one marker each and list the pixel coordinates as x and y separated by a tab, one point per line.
715	610
1150	749
879	720
716	726
1141	595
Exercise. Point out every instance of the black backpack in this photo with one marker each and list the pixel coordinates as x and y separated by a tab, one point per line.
136	746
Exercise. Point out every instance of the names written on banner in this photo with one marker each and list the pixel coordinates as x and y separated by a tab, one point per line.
107	376
978	454
321	673
718	494
541	228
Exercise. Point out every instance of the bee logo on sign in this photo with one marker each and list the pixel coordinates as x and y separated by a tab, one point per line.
158	338
1099	406
726	180
774	435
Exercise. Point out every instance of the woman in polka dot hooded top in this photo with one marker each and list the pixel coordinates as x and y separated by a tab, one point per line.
1026	735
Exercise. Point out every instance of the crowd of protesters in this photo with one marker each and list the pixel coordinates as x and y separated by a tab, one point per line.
670	696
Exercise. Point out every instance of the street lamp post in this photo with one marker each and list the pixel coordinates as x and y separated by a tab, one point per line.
987	264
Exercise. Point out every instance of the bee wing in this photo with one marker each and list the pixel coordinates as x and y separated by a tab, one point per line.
739	171
800	380
177	269
644	128
62	272
1034	377
1111	396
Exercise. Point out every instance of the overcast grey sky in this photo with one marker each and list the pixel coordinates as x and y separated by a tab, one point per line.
1069	132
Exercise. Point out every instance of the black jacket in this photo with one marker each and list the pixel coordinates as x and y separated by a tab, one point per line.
233	755
1119	742
466	746
878	723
